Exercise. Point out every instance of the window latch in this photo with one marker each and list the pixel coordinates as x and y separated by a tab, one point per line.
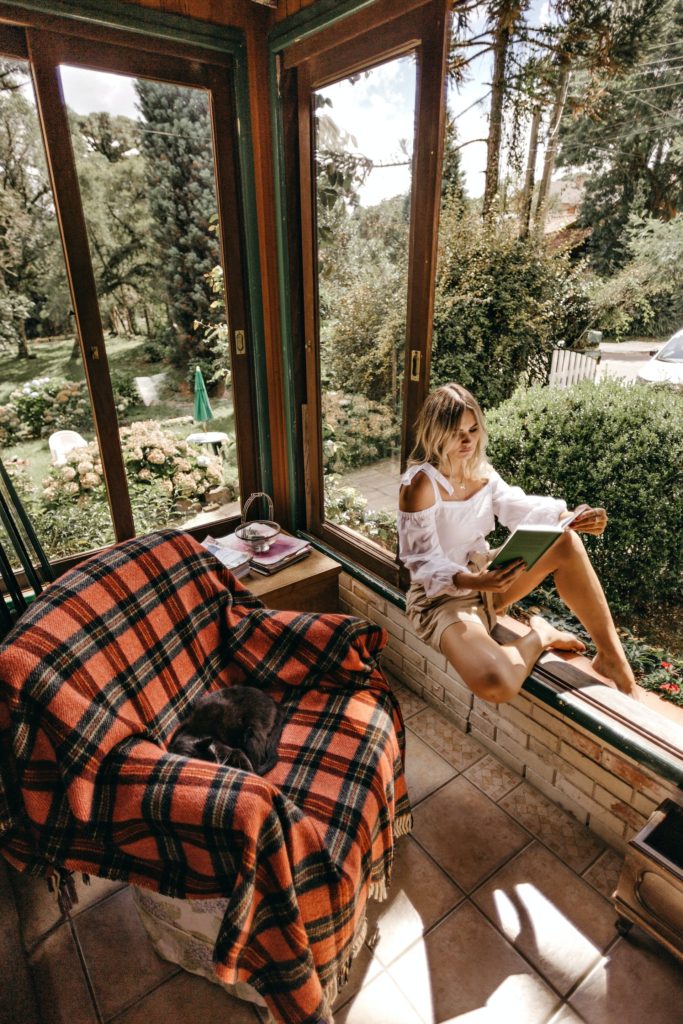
240	343
415	362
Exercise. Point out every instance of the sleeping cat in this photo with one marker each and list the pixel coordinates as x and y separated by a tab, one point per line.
238	726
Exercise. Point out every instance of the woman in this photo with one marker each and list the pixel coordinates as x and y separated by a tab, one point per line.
448	500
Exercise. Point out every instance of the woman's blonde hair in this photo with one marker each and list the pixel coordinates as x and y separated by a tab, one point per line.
437	422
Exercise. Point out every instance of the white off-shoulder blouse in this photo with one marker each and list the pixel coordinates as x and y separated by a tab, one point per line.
439	541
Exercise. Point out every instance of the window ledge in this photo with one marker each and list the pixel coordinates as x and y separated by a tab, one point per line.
649	732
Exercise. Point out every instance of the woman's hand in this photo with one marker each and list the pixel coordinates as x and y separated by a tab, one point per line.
494	580
591	520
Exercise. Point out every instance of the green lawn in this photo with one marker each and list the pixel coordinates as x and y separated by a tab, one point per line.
51	357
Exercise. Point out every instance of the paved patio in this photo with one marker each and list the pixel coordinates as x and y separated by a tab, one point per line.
377	483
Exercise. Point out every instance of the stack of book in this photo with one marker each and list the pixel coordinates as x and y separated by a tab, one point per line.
284	551
234	559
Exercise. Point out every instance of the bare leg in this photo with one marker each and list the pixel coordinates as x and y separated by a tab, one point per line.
580	589
493	671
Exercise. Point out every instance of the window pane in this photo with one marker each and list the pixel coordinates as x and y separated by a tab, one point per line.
363	160
47	436
144	158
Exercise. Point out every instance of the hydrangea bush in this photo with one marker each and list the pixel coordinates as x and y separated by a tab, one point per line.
154	457
45	404
154	454
345	506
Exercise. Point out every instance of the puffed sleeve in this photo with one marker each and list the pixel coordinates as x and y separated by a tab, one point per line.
512	506
421	553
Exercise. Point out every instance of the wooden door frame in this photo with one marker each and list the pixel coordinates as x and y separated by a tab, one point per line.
45	41
308	62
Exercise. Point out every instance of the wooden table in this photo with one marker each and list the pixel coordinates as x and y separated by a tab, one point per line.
311	585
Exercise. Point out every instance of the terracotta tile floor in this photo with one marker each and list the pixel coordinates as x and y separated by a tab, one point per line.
498	913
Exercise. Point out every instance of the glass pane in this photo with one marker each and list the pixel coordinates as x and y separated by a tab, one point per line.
363	161
144	158
47	436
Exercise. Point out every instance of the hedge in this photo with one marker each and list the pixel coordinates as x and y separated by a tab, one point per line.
610	444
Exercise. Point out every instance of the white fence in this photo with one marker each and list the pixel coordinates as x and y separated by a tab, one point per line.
569	367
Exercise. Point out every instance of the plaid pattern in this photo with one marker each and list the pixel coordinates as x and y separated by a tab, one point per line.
94	680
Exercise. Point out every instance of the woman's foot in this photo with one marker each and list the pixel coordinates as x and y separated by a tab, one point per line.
555	638
617	668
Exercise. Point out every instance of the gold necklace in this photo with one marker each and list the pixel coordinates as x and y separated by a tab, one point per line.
460	485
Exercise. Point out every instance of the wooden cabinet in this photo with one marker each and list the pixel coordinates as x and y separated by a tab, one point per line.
650	889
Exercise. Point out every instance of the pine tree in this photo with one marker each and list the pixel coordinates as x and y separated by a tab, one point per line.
626	130
176	143
453	176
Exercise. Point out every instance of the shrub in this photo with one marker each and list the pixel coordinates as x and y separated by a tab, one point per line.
356	431
10	425
612	445
125	391
501	302
45	404
346	507
152	453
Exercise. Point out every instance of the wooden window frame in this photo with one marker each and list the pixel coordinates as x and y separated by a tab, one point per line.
366	39
45	42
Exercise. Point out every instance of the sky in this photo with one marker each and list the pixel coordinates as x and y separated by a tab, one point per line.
377	110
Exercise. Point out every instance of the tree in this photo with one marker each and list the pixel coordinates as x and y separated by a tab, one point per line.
363	302
176	144
603	38
112	180
505	27
505	17
452	176
626	131
33	287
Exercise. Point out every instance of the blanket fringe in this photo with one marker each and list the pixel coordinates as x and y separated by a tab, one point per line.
378	890
61	881
403	825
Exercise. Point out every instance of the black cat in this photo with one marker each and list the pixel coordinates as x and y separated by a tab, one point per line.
238	726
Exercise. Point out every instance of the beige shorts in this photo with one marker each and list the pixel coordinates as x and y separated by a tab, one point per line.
431	616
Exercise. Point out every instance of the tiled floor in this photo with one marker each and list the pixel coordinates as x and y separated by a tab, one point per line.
498	913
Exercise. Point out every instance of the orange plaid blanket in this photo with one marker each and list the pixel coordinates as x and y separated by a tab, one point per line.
94	680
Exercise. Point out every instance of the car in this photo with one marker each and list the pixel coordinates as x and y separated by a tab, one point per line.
666	366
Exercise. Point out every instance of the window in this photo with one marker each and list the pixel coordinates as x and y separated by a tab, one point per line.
369	111
144	166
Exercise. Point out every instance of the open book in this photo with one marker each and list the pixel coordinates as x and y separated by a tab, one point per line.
530	541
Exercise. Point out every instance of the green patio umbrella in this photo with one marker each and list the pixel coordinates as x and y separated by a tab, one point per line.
202	406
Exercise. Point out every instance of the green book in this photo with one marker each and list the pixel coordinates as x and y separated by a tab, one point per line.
529	542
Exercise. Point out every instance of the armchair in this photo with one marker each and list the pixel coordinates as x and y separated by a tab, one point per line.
94	680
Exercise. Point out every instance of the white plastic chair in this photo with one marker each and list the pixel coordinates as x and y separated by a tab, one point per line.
62	442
